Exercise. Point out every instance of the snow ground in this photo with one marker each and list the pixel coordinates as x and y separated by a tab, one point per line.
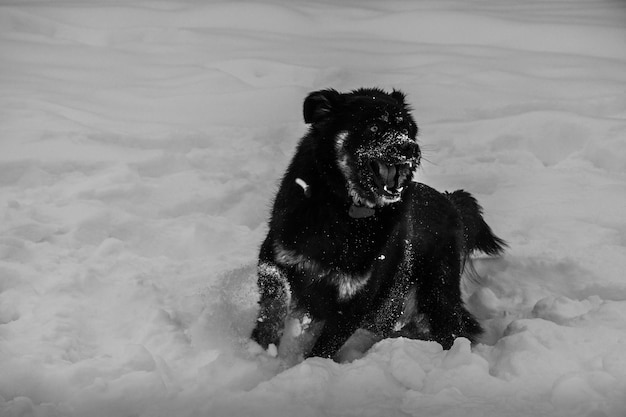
140	146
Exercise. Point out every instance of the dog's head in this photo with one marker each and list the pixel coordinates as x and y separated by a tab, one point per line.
373	138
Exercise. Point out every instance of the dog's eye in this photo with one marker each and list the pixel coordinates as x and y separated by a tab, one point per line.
374	128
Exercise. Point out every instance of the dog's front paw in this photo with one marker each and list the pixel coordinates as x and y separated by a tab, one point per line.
445	330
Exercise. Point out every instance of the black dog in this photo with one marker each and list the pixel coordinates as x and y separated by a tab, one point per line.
356	251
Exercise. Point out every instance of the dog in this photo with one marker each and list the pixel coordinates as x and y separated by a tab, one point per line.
356	250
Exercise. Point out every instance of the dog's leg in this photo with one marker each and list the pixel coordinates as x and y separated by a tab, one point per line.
337	330
301	331
379	321
280	322
275	297
439	299
413	324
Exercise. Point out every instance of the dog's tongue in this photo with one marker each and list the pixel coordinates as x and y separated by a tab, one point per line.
388	174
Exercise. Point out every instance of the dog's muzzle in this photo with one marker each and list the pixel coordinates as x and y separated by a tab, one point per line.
391	178
395	167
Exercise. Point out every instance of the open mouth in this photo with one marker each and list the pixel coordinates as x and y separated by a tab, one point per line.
390	178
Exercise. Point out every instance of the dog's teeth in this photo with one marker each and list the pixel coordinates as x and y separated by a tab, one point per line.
395	191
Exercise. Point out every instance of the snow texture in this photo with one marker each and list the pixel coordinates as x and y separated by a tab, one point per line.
140	146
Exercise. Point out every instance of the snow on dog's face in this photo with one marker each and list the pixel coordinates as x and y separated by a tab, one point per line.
373	137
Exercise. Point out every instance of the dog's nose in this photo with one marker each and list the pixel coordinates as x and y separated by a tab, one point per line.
410	149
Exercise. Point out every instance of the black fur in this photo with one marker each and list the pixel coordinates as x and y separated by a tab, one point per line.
354	246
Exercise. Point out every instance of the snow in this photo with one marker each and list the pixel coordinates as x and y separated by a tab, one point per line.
140	148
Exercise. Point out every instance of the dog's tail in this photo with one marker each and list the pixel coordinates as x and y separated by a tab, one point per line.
478	234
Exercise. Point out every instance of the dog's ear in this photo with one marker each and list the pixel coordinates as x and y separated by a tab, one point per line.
319	104
399	96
